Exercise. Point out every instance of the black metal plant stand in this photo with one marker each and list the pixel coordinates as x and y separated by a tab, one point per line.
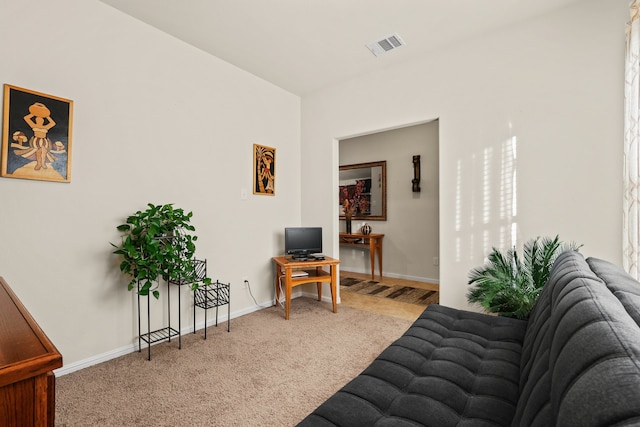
200	272
166	333
209	296
163	334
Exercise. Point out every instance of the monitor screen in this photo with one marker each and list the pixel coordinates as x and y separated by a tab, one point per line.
302	241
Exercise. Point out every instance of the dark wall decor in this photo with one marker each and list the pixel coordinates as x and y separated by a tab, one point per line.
416	174
264	170
36	135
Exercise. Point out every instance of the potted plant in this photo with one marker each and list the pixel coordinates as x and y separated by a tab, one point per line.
508	284
156	243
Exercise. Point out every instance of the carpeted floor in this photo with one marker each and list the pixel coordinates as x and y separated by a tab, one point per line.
267	371
396	292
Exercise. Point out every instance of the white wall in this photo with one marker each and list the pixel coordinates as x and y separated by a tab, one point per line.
408	251
157	121
554	85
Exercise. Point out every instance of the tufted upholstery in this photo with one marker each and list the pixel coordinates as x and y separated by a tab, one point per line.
621	284
581	358
451	367
576	362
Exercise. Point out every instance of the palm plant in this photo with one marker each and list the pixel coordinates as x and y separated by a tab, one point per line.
509	285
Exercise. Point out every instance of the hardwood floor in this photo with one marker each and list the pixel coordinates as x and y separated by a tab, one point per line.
384	305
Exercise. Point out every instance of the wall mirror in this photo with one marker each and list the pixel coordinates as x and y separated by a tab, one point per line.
363	188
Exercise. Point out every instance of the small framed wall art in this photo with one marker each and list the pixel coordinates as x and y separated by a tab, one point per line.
264	170
36	135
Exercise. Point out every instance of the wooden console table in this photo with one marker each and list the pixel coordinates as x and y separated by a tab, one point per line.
372	241
27	361
285	266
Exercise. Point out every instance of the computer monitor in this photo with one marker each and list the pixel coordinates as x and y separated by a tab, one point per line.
301	242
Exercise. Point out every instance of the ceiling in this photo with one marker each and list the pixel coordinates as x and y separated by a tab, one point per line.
305	45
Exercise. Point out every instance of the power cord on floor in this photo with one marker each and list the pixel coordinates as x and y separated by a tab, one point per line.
282	297
254	299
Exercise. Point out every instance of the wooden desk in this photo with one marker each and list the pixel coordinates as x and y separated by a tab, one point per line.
285	266
27	359
372	241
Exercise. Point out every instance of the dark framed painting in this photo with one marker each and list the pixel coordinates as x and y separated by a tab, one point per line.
36	135
264	170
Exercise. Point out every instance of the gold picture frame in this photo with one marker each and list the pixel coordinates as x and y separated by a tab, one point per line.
364	186
264	170
36	135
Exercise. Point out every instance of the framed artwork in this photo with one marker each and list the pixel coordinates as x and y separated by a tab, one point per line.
264	170
36	135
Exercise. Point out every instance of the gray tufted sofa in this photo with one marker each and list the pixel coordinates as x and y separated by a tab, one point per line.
575	362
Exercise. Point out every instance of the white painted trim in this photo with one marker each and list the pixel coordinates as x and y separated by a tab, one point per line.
325	298
122	351
113	354
94	360
397	276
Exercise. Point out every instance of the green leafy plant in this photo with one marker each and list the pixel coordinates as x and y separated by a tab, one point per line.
508	284
156	243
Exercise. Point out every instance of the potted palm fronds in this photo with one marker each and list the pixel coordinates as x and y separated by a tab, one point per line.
157	244
508	284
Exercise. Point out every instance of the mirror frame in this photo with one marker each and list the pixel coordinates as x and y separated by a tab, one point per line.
383	164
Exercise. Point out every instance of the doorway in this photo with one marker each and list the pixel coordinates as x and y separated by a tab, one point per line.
411	242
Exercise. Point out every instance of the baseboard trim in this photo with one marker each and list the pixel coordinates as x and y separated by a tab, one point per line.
314	295
95	360
131	348
396	276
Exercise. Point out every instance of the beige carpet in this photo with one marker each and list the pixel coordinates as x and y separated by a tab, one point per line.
266	372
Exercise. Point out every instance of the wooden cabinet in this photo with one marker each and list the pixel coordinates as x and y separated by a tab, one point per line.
27	361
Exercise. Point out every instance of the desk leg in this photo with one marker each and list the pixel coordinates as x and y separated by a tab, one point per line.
287	290
319	284
334	290
372	256
277	285
379	245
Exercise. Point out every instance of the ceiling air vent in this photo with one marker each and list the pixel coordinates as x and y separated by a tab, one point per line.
385	45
